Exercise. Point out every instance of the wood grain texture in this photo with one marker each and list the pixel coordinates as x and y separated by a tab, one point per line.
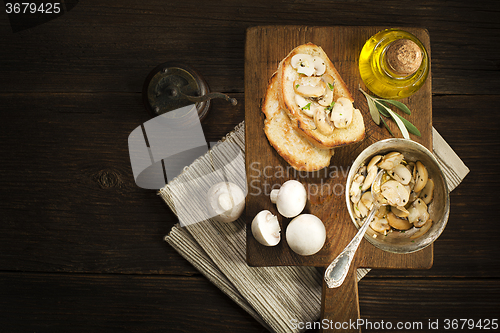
398	302
79	253
132	303
340	305
111	47
73	205
266	46
117	303
264	49
41	238
465	244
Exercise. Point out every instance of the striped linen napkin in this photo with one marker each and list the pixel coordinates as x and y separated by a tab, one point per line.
274	296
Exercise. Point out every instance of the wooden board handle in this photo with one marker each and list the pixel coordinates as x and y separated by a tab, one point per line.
340	306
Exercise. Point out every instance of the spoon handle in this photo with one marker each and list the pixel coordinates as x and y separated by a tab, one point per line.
336	272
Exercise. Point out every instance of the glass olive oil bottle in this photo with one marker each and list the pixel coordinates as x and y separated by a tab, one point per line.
393	64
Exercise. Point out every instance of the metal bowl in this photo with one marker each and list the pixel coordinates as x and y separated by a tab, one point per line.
439	208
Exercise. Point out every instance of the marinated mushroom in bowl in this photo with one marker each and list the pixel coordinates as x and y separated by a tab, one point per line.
406	189
403	161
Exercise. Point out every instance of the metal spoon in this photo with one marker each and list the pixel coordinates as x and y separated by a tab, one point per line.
336	272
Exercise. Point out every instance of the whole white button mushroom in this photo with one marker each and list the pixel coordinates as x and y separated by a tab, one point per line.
306	234
290	199
266	228
225	202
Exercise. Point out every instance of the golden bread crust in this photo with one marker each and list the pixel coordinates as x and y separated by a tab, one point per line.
301	122
293	147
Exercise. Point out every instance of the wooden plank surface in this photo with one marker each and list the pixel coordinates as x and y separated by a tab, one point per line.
469	250
124	303
78	255
134	303
265	47
28	239
101	46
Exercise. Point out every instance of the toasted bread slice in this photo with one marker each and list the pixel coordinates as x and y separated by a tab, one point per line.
287	76
301	154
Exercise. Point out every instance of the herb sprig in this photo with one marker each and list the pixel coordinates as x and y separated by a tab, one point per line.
379	108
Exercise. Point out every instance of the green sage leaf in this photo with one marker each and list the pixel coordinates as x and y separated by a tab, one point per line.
372	107
400	124
379	106
382	109
397	104
386	126
411	128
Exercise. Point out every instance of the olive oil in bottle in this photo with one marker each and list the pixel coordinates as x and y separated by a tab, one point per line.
393	64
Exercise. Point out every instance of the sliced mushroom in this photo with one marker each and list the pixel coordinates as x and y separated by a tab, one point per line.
380	225
398	223
319	66
355	190
399	211
362	171
304	105
360	210
372	173
309	86
395	193
422	230
427	192
401	174
418	213
421	176
382	211
410	166
367	200
342	113
322	121
411	184
327	98
413	196
266	228
303	63
373	162
391	160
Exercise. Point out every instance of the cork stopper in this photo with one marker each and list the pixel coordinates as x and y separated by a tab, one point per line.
404	57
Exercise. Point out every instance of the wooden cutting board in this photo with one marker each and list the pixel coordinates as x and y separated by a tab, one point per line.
265	47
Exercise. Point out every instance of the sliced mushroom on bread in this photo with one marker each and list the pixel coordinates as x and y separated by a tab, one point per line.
299	152
316	99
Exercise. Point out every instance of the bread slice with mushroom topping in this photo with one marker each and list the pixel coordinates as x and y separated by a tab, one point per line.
316	99
289	143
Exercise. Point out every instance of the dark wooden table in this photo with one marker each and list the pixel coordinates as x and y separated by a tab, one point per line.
81	246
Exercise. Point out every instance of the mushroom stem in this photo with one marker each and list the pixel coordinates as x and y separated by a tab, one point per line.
266	228
225	202
274	195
